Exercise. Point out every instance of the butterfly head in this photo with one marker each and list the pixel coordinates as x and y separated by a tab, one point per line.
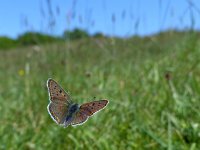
73	108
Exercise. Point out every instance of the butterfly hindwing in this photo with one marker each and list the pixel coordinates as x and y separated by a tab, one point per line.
58	112
79	118
56	93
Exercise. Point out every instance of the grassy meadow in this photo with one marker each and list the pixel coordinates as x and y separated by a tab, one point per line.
152	84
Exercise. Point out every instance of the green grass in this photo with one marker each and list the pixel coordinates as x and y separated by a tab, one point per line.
152	85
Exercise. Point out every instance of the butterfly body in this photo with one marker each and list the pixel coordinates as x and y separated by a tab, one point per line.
64	112
71	113
73	108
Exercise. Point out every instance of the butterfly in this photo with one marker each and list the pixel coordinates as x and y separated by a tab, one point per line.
64	112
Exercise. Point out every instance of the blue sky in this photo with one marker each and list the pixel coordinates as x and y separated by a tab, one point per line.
111	17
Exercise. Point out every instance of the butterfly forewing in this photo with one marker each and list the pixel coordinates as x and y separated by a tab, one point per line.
92	107
56	93
58	112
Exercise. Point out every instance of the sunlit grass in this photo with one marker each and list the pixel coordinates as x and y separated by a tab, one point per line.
153	88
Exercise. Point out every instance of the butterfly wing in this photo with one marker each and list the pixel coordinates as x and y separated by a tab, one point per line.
59	102
56	93
79	118
92	107
88	109
58	112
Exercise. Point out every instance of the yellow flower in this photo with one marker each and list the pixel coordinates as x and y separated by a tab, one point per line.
21	72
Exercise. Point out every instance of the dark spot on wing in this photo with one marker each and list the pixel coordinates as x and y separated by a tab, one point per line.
60	91
93	104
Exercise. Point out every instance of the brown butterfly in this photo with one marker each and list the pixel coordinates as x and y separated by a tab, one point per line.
64	112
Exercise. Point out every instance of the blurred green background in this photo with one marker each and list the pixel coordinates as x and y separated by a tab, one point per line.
151	82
